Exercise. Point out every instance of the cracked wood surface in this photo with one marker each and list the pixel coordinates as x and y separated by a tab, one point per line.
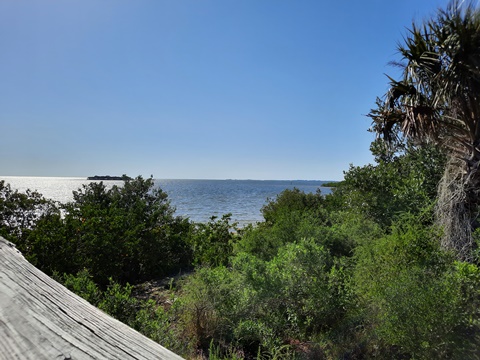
41	319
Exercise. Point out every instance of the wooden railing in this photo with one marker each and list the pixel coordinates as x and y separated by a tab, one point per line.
41	319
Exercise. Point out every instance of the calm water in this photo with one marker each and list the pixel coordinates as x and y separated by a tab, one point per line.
196	199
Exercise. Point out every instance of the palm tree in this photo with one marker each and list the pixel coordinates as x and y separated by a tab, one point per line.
437	100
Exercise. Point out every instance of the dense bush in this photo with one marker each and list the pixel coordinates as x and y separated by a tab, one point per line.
416	297
314	279
20	212
296	219
213	242
292	216
290	201
144	316
266	305
406	182
126	232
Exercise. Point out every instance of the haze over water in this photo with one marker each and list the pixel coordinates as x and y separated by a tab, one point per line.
195	199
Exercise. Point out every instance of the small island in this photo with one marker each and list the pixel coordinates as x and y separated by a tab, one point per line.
331	184
108	177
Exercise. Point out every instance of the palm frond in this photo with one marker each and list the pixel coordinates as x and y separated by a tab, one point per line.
438	96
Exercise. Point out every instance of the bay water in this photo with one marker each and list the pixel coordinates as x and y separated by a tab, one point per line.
198	200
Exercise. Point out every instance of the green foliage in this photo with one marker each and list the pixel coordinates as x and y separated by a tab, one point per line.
212	243
331	184
212	298
296	216
266	305
20	212
117	301
434	100
292	216
144	316
81	284
155	322
404	183
265	239
298	277
289	201
216	353
127	232
49	247
411	290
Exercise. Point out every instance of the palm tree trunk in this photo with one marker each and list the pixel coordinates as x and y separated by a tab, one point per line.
457	207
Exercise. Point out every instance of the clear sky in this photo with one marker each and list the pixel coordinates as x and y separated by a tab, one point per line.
212	89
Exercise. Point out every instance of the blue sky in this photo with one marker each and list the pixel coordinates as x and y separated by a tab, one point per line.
241	89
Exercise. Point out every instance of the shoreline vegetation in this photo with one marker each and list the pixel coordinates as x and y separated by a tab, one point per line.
321	277
371	270
331	184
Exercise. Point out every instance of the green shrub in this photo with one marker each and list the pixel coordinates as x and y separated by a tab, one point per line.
338	232
411	290
154	322
289	201
406	182
265	305
128	233
49	247
83	285
213	242
117	301
212	300
144	316
20	213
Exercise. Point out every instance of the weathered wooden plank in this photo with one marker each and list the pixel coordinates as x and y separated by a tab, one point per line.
41	319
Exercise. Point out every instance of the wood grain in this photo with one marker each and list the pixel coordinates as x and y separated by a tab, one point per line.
41	319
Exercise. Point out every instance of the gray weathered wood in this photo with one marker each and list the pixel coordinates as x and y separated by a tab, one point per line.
41	319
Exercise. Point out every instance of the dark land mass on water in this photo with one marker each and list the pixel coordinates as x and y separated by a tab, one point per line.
106	177
331	184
